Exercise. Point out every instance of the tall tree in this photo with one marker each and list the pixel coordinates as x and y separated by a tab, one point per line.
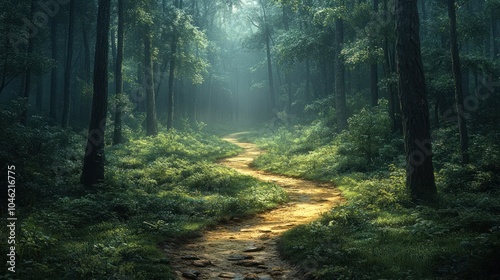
117	135
272	97
151	123
27	77
53	74
374	66
69	66
457	77
93	163
340	96
171	74
413	102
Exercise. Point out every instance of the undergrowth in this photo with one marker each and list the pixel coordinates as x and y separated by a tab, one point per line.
157	189
379	233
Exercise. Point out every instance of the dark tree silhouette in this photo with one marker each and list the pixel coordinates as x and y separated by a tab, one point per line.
340	99
117	135
457	77
413	101
93	163
69	65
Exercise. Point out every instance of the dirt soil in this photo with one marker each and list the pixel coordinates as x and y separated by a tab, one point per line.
246	248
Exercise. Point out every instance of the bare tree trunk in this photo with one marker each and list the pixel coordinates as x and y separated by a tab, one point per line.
171	96
117	133
39	93
457	75
93	163
69	66
86	50
413	101
151	124
340	77
374	68
27	78
171	75
53	74
494	33
270	72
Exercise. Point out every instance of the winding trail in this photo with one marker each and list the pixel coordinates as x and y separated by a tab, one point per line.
220	252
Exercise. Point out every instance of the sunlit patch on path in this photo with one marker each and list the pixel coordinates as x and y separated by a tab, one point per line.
246	248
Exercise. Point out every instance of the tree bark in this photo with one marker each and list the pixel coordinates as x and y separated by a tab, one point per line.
117	133
457	77
374	67
494	32
267	34
27	78
93	163
171	76
53	74
340	77
39	93
413	102
151	123
69	66
86	52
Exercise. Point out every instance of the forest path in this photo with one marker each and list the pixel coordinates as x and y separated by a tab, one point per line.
246	248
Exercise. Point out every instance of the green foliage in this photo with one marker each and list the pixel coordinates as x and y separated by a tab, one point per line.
156	188
368	142
379	233
316	152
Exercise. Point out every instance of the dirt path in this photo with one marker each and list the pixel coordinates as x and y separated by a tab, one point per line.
220	252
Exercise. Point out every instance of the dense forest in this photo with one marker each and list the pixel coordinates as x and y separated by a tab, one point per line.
329	139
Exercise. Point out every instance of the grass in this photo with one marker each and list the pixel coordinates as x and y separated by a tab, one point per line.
157	189
379	233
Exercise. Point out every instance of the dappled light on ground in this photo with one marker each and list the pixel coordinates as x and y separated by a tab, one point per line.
247	247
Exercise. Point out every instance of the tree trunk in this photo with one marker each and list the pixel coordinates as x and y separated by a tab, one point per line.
93	163
494	32
86	52
457	77
373	84
340	77
27	78
374	68
39	93
389	68
69	65
270	72
117	133
151	124
171	76
53	74
413	102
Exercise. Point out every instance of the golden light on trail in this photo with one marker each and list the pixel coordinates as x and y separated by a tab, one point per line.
240	246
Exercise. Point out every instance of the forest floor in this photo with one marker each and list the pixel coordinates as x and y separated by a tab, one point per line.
246	248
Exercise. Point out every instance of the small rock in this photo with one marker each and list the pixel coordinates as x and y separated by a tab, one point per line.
253	249
251	276
275	271
190	258
202	263
227	275
192	274
250	263
265	236
265	230
239	257
245	230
